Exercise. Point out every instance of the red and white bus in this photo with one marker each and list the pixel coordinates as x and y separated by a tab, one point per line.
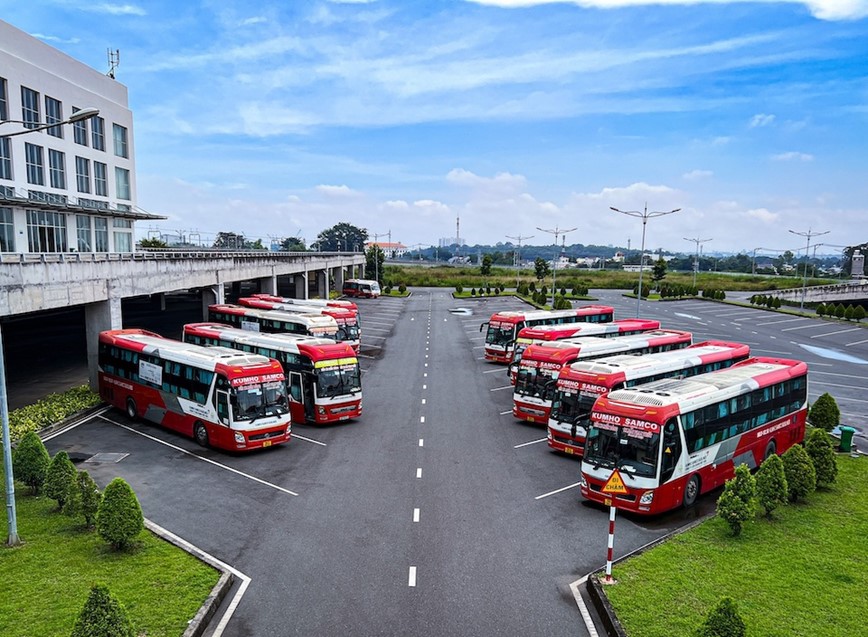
673	440
581	383
503	327
545	333
348	305
361	288
324	380
273	321
219	397
348	332
541	365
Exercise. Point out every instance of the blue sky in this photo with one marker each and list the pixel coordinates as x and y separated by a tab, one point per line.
281	118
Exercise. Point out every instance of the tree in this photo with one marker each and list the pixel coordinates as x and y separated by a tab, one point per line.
84	498
825	413
771	484
230	241
341	237
801	476
723	621
859	313
153	243
658	272
119	518
374	259
541	268
292	244
840	310
736	503
30	461
102	616
59	478
485	268
821	309
822	455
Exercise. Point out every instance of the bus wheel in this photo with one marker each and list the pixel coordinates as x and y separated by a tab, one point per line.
201	434
132	412
691	491
771	449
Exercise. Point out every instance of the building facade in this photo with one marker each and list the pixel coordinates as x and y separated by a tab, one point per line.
72	187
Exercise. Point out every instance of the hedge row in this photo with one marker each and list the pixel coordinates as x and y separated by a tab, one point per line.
50	410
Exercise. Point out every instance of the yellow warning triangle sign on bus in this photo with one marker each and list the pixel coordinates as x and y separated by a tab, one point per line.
615	483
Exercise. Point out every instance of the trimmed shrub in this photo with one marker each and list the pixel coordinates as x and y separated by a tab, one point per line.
51	409
771	484
102	616
723	621
824	413
821	309
770	302
402	288
848	313
858	313
801	477
736	503
473	292
532	286
840	310
822	455
721	295
119	518
83	499
776	303
30	461
59	478
563	291
459	289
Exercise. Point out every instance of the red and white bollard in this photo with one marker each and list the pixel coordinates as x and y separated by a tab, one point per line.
611	544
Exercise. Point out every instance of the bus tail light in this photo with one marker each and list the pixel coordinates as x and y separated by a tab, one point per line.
647	497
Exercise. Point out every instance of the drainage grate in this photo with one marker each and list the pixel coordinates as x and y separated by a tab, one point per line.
107	457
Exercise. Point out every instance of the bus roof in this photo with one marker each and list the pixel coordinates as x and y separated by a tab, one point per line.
518	317
630	366
566	350
309	320
338	313
315	348
749	374
228	360
310	302
556	332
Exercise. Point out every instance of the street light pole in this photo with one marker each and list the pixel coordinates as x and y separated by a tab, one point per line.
644	216
808	236
12	538
557	231
377	254
696	256
519	238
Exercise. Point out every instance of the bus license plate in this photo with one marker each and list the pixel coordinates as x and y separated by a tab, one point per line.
344	418
569	450
266	443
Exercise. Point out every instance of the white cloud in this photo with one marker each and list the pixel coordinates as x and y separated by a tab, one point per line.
113	9
822	9
253	20
697	174
501	181
54	38
336	191
761	119
763	214
793	156
398	204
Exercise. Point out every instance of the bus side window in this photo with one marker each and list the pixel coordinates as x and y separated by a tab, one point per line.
671	450
223	407
295	387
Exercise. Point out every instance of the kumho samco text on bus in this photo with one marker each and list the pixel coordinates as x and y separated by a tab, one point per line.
503	327
672	440
540	365
535	335
273	321
580	384
324	379
347	305
348	332
361	288
220	397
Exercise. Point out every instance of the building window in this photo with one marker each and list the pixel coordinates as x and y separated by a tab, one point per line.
53	115
82	231
124	207
46	231
29	107
7	231
100	235
123	240
97	128
120	139
100	179
5	158
35	165
79	129
82	174
4	103
57	169
122	183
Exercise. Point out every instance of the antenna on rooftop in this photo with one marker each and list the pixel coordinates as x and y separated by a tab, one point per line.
114	60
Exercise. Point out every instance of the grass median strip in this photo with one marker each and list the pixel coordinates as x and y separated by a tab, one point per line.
49	577
803	573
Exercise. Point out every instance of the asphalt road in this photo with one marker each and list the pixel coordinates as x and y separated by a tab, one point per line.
436	513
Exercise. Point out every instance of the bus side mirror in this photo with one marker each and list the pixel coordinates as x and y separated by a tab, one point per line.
481	325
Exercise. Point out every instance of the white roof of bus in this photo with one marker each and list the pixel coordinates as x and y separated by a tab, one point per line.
633	366
280	341
616	344
311	320
535	314
673	390
181	352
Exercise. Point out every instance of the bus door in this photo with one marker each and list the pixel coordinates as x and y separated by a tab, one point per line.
222	404
297	395
671	446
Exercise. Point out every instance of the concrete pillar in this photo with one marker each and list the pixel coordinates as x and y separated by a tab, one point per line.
105	315
338	275
300	281
210	296
322	283
236	289
268	284
162	299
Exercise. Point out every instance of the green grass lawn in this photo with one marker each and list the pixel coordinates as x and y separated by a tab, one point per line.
803	573
47	580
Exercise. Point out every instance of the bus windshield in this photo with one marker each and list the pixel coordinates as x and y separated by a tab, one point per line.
572	407
338	381
347	333
500	335
259	399
530	382
633	451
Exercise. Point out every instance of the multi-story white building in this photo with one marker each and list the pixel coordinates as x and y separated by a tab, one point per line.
72	187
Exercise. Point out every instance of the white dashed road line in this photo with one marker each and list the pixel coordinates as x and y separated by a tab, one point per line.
567	488
532	442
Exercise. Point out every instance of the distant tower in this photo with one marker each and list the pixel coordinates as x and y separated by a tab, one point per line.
457	235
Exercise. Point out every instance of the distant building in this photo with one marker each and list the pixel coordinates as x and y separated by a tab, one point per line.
857	265
68	188
391	250
445	242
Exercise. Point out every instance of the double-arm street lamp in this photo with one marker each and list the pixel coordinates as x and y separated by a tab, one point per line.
557	231
644	215
519	238
12	538
808	236
698	243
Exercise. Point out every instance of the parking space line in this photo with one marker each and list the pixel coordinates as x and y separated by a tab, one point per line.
375	329
501	388
503	413
208	460
801	327
494	371
567	488
532	442
789	320
856	343
412	578
367	336
852	329
316	442
75	424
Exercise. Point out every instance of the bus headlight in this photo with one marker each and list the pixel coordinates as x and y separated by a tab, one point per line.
646	497
321	410
239	437
583	484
